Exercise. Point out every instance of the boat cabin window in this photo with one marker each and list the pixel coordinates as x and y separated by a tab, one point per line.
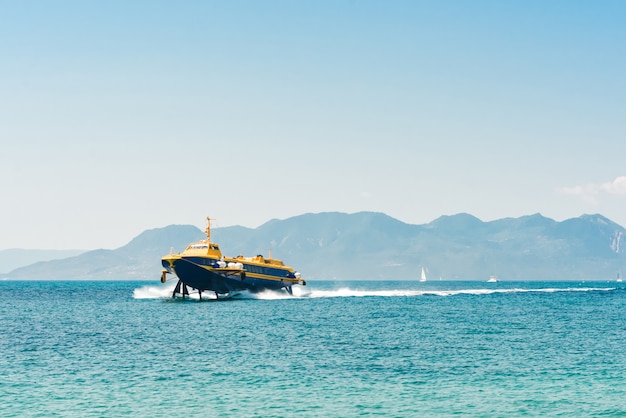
199	246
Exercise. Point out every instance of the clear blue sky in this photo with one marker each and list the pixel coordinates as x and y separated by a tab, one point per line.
121	116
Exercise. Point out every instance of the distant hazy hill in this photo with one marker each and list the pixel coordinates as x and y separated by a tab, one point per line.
17	257
375	246
138	260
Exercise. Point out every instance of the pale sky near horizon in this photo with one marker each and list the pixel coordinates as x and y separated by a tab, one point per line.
122	116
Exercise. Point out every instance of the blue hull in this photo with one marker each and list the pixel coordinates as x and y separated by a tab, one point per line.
200	278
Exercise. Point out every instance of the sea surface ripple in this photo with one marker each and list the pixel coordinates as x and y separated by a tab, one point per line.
381	348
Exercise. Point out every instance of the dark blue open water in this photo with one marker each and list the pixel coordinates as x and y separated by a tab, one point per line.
341	349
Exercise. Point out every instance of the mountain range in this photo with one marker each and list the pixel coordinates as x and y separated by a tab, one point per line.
369	245
18	257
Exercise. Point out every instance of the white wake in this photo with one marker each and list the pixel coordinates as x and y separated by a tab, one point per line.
301	292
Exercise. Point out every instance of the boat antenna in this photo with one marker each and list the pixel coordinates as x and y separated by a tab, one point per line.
207	231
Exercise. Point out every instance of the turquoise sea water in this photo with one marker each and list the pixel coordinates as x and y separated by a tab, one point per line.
336	349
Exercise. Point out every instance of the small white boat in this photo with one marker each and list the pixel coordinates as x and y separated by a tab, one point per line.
619	278
423	276
492	279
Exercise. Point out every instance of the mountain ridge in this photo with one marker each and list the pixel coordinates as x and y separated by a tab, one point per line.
372	245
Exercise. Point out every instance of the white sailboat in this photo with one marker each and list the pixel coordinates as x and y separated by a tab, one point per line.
619	278
423	276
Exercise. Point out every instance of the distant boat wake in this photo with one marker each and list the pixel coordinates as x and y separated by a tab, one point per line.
159	292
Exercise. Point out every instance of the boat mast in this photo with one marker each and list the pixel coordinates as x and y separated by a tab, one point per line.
207	231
